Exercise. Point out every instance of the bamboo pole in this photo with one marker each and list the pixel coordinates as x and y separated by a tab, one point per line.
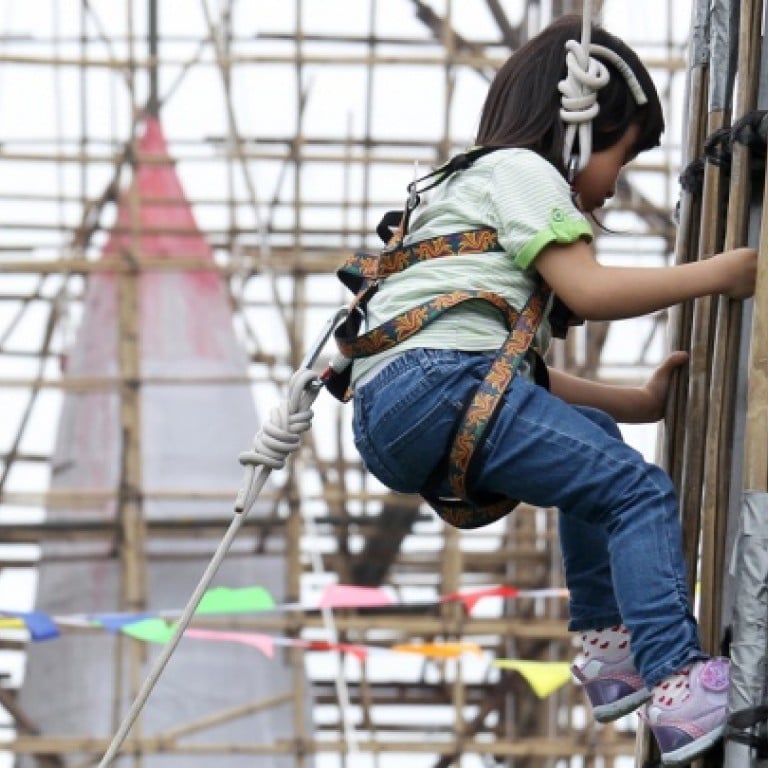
688	245
719	435
721	76
755	444
680	317
473	61
131	654
533	748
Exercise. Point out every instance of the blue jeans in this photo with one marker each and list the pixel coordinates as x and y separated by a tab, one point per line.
619	529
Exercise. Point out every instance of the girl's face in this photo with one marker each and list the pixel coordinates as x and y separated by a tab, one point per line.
597	182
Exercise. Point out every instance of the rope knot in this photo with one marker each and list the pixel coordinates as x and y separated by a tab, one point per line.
281	433
586	76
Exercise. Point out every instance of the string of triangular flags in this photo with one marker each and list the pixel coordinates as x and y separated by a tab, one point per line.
229	600
157	626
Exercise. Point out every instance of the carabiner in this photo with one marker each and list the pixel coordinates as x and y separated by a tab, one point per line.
318	345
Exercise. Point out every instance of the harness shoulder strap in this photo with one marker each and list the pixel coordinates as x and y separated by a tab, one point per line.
362	268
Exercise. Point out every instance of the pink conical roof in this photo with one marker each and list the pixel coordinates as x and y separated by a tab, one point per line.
156	206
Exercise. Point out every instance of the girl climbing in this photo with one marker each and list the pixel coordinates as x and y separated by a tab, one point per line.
452	401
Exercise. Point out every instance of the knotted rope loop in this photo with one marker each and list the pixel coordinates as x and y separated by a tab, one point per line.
586	76
279	436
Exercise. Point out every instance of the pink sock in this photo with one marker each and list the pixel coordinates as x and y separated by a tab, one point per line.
610	643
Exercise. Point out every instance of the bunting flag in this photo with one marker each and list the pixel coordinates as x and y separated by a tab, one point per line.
472	598
439	650
9	623
114	622
149	630
263	643
544	677
360	651
244	600
39	624
343	596
151	626
226	600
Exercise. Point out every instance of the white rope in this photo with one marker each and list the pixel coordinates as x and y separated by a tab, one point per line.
586	76
271	447
278	437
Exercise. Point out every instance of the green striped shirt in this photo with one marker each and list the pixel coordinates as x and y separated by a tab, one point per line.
529	204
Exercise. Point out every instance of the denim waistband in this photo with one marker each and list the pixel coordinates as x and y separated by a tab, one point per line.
423	357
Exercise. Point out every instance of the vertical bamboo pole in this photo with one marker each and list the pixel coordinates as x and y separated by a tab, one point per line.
295	323
725	356
748	647
699	367
451	581
130	508
686	247
755	443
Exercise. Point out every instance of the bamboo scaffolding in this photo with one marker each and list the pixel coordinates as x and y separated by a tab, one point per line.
719	436
687	247
344	504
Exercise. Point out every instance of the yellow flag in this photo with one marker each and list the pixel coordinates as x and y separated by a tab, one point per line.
12	623
545	677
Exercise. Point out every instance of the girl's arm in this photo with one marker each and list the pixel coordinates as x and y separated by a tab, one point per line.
628	405
596	292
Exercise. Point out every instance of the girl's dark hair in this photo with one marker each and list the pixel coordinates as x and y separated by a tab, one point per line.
522	108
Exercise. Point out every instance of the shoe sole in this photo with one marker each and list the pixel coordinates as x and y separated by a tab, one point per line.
607	713
695	749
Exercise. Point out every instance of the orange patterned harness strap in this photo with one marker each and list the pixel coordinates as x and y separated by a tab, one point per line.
467	510
363	273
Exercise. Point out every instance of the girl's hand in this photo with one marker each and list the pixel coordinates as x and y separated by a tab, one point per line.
656	389
739	271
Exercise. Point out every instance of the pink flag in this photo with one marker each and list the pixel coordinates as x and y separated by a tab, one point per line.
343	596
264	643
471	599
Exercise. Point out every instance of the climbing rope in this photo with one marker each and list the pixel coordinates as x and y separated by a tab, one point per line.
279	436
275	441
579	95
586	76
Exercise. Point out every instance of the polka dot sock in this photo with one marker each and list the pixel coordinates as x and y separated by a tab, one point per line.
609	643
673	690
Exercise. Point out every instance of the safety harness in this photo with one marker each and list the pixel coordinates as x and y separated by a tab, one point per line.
363	273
